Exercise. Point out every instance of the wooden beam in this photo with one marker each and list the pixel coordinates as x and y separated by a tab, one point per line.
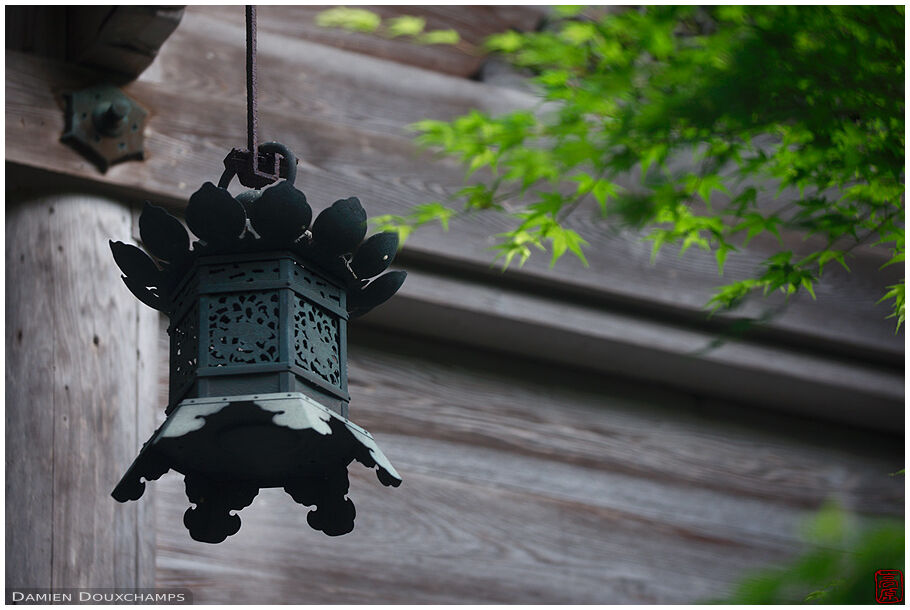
36	29
496	317
495	313
123	39
30	360
76	404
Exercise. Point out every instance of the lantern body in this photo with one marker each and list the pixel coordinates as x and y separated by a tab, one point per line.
258	323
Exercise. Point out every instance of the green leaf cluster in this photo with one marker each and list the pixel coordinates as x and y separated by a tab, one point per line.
839	569
420	215
363	20
738	121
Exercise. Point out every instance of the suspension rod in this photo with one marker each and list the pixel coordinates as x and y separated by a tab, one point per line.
251	118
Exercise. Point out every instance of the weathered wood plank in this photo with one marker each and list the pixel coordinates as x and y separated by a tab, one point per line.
149	415
525	484
497	316
383	97
444	540
473	24
124	39
465	395
340	159
37	29
306	79
86	328
834	325
94	381
29	398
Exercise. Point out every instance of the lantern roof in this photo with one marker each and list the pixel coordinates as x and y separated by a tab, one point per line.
277	218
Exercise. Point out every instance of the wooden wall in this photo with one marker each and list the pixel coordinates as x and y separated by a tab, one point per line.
525	483
345	114
562	435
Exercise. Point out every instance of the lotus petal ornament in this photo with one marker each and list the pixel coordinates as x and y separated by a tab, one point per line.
281	213
375	255
163	235
339	228
135	263
376	292
215	217
258	342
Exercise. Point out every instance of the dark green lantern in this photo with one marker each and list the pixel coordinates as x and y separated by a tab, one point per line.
258	310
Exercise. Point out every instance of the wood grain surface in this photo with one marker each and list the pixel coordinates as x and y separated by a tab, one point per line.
531	474
75	399
344	114
29	473
497	316
363	92
529	484
122	39
473	24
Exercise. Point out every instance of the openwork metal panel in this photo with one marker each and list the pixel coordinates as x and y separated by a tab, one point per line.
316	341
248	272
307	281
184	350
242	328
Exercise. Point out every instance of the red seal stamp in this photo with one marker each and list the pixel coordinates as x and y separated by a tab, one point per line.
889	586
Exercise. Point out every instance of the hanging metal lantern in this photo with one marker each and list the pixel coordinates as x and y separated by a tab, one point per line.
258	310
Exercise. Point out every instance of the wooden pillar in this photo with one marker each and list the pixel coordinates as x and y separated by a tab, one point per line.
80	394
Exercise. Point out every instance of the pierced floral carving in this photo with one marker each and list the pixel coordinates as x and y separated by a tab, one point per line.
243	328
312	281
316	341
184	349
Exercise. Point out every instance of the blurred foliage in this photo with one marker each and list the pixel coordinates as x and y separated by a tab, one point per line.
709	106
362	20
839	570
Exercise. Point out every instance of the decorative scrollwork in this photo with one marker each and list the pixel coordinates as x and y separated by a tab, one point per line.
325	290
334	514
213	519
316	341
184	349
243	328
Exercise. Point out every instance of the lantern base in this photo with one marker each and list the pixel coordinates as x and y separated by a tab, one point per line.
231	446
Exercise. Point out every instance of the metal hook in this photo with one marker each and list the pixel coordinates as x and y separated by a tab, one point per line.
237	163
